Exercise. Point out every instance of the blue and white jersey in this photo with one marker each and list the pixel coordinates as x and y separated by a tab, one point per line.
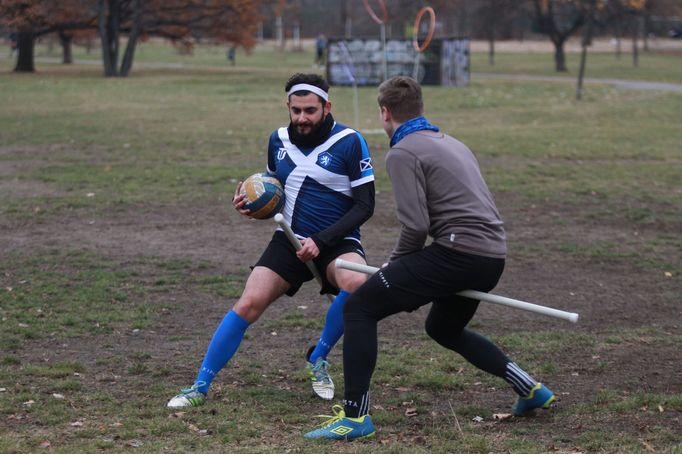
317	182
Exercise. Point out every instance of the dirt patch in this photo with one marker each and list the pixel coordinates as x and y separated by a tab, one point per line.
609	294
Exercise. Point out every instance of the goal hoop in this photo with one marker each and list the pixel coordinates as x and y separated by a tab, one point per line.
417	23
384	12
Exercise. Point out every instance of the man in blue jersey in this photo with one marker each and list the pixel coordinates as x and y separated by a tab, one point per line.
328	180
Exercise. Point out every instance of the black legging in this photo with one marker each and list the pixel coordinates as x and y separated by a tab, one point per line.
434	274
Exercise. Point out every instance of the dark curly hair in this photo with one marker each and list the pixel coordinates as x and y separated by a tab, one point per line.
310	79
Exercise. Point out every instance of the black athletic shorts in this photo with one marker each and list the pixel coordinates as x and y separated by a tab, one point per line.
280	257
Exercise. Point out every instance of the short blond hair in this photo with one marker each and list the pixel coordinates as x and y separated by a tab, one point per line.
402	96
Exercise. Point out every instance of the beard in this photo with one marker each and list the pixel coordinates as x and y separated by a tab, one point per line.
307	128
309	134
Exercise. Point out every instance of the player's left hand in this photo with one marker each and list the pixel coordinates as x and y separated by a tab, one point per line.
308	251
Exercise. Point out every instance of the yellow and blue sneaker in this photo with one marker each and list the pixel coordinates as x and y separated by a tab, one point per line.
339	427
188	397
539	397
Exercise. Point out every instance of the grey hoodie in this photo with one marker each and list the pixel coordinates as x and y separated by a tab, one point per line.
439	191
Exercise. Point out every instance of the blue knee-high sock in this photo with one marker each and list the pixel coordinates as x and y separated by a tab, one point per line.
333	327
223	346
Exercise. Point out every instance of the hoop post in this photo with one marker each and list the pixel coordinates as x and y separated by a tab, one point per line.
415	38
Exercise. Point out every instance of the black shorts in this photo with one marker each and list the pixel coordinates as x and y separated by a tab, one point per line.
280	257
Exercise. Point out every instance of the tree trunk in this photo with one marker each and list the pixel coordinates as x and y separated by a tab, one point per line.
587	40
635	50
127	63
559	55
25	45
109	34
491	48
66	41
618	35
492	15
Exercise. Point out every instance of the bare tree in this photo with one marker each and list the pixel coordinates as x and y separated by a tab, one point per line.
586	41
559	19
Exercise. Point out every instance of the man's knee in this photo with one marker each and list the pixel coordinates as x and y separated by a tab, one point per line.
442	331
249	308
432	328
353	306
353	282
365	303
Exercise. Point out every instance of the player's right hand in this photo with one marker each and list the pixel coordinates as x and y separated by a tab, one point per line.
238	201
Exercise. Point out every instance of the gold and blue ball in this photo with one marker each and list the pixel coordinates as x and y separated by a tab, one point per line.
264	195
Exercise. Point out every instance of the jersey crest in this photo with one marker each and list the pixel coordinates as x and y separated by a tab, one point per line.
324	159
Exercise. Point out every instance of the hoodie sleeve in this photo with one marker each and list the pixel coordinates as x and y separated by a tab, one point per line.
409	191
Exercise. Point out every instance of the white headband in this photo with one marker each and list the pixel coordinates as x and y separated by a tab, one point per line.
312	88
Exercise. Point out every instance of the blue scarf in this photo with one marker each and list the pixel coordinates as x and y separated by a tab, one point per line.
410	126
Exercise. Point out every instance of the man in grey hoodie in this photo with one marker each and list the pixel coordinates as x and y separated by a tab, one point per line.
439	192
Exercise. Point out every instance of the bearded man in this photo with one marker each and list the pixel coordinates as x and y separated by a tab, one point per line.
326	171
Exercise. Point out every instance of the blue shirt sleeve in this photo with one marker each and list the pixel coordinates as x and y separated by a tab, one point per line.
359	162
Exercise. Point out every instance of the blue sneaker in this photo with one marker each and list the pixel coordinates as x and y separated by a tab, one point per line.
339	427
540	397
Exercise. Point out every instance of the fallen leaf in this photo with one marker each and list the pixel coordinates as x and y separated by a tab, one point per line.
660	408
116	424
177	414
45	444
28	403
58	396
411	412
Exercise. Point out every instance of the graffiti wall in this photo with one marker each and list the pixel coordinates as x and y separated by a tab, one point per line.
360	61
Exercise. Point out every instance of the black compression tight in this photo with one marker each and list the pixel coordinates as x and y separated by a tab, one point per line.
397	288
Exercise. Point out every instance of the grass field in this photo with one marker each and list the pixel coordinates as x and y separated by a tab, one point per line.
119	255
